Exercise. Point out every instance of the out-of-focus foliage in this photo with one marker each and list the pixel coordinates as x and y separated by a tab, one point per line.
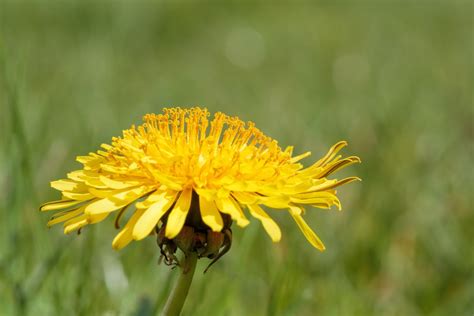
394	78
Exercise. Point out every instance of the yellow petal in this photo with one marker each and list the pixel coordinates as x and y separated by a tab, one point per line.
103	193
208	194
322	199
117	184
77	196
96	218
264	173
275	201
210	214
268	223
300	157
178	214
337	165
92	159
91	162
229	206
236	185
153	198
307	232
106	147
331	184
90	178
153	214
57	205
69	185
124	237
246	197
65	216
76	175
75	223
169	181
331	153
116	201
314	194
114	169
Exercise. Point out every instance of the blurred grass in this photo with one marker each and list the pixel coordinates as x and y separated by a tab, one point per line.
394	78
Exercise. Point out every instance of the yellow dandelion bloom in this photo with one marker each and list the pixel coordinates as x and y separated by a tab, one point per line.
179	161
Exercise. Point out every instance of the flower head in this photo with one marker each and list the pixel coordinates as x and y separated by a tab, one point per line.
179	170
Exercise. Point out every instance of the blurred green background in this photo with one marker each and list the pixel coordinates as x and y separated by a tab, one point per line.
394	78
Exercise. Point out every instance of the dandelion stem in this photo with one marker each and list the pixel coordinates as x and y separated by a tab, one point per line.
176	300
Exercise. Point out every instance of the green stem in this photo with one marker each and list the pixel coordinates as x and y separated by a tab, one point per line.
176	300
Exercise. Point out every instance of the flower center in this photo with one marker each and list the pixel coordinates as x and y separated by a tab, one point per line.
195	237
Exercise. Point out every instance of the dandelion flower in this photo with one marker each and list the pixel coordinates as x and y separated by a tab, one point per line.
180	174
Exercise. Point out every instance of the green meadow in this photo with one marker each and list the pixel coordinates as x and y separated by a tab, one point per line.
393	78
